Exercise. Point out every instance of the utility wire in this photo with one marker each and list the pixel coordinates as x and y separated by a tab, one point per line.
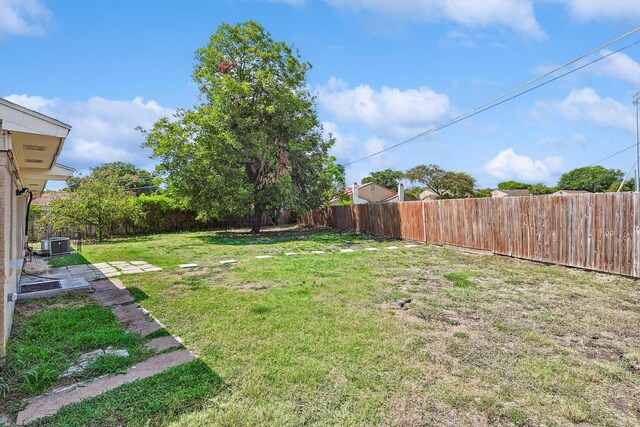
505	97
613	155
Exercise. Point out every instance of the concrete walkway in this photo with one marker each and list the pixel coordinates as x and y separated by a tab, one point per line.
49	404
91	272
113	294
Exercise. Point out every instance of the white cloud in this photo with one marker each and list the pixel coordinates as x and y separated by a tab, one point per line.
103	130
585	105
554	142
345	146
381	161
23	17
507	165
619	66
515	14
391	111
586	10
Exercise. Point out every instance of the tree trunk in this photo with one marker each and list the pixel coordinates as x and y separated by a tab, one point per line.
257	219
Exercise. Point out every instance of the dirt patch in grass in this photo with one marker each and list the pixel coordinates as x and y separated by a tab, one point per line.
251	287
519	343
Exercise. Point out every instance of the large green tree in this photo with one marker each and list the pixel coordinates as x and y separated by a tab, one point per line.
98	202
387	178
442	182
255	142
590	178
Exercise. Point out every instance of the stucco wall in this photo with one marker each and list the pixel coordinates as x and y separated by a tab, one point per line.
12	213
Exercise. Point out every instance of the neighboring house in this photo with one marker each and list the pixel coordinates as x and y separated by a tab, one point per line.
372	193
30	143
496	194
429	194
566	192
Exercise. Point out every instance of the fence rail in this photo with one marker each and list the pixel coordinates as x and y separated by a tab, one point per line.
598	232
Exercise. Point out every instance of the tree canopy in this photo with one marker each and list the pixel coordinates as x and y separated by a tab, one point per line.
127	175
590	178
512	185
98	202
442	182
255	141
387	178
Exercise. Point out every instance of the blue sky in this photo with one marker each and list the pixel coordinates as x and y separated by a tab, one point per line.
383	71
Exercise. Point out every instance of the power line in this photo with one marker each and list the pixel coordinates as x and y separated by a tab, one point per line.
613	155
505	97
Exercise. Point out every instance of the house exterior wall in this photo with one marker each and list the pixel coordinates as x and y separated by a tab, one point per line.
12	240
374	193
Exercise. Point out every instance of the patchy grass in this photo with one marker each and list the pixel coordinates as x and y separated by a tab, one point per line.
407	337
66	260
49	334
461	278
153	401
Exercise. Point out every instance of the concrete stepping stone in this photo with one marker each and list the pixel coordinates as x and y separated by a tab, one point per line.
119	264
346	251
163	343
371	249
131	270
188	265
129	313
143	326
318	252
49	404
86	359
150	268
109	294
411	246
264	256
228	261
392	247
138	263
100	265
291	253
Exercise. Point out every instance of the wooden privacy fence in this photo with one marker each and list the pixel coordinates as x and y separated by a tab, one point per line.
593	231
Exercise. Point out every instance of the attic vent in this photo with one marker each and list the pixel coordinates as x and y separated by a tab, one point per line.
34	147
33	161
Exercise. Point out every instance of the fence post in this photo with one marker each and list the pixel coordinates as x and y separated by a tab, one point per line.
424	222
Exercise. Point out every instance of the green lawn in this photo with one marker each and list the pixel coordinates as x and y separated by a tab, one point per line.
421	336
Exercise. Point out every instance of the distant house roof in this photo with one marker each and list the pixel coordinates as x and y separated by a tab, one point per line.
510	193
47	196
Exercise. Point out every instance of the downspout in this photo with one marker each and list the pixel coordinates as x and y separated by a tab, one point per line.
26	221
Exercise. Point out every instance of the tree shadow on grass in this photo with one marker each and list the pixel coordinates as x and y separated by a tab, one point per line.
156	400
138	294
274	235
